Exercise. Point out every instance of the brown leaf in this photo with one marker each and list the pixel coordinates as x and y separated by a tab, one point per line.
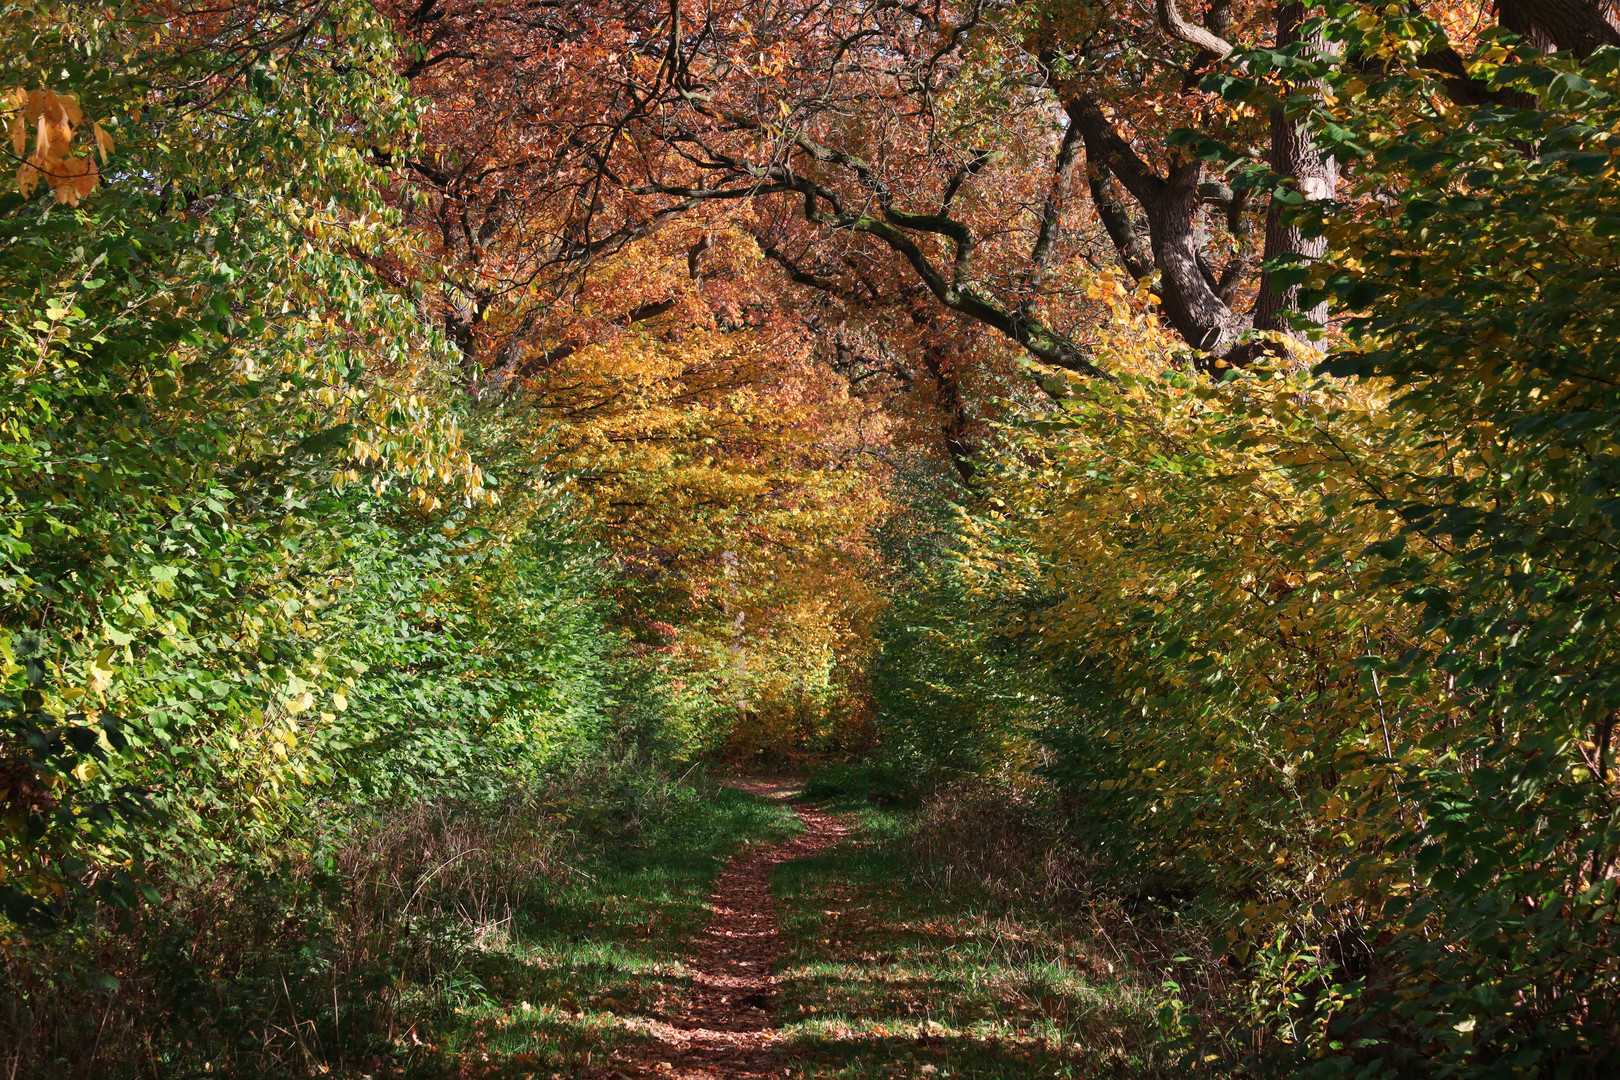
55	133
70	105
85	182
43	131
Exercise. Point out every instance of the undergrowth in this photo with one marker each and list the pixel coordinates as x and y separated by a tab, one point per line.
425	942
951	939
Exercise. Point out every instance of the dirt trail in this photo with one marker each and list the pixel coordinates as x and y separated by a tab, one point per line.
727	1027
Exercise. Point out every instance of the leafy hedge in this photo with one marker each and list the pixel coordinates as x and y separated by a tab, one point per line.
1331	657
251	576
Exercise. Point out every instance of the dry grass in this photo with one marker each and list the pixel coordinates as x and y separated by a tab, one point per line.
990	861
998	839
275	968
430	940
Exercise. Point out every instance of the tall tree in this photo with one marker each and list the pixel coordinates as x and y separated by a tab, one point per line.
946	142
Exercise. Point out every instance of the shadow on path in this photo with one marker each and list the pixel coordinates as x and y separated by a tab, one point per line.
727	1026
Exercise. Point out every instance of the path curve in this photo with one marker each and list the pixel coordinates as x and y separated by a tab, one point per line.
727	1028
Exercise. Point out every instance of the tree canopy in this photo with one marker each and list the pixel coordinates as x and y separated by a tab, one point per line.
1202	414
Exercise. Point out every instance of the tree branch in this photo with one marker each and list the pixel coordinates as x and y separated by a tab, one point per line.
1577	26
1171	22
1133	249
1040	256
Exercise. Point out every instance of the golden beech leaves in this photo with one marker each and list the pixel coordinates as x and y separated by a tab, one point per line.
1166	512
734	477
53	120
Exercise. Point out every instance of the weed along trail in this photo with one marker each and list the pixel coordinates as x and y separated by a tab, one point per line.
726	1027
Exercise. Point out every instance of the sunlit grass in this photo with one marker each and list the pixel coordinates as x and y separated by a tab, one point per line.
885	978
599	944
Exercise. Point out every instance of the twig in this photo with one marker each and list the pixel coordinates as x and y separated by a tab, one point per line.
429	875
299	1035
337	1024
99	1029
581	873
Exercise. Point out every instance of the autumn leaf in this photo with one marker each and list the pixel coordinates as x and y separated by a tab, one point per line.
54	120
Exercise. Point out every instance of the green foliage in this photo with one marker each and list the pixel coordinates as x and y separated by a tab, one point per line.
1487	306
1342	668
249	569
1321	658
293	698
438	917
953	691
181	378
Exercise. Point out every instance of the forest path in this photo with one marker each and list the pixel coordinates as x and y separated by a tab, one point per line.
727	1026
821	957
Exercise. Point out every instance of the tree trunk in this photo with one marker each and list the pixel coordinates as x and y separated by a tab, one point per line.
956	424
1188	294
1574	26
1314	175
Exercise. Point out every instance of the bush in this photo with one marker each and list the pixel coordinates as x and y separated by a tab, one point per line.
374	932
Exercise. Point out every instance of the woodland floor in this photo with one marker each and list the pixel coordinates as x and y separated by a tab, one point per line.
813	957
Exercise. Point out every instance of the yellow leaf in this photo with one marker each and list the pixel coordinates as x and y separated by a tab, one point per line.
104	143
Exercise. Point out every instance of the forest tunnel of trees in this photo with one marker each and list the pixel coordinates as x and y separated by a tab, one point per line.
1148	472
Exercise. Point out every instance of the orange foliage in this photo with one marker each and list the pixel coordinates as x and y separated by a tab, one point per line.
53	119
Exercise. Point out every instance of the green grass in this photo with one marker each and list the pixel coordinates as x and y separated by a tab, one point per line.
605	941
862	787
885	978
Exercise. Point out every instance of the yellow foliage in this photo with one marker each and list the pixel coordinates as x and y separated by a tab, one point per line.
1202	546
734	479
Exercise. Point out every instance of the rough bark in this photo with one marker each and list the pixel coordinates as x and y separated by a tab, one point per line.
1573	26
1309	172
1189	295
1135	254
